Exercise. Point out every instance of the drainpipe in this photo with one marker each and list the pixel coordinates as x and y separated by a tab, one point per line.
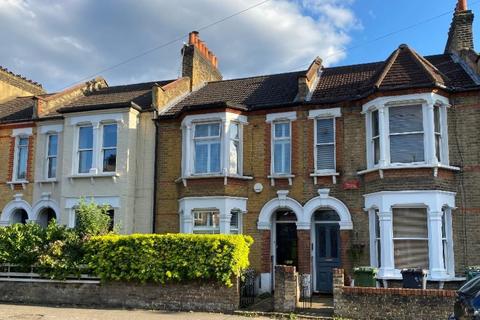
154	218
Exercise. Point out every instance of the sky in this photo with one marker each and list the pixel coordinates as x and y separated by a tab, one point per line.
62	42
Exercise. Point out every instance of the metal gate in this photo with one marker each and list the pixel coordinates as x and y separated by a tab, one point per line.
305	292
247	288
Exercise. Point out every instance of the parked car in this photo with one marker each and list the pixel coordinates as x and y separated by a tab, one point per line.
467	304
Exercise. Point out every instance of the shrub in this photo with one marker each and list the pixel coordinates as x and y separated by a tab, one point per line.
91	219
21	244
170	257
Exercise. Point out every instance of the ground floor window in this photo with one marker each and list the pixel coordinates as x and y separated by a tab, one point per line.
411	229
410	238
206	221
111	214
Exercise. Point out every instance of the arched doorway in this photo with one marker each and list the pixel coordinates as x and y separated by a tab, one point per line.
327	247
19	216
286	241
45	216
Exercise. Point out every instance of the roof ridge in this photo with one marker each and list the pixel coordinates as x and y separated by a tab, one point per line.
259	76
37	84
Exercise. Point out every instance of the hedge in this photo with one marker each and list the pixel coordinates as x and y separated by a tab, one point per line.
170	257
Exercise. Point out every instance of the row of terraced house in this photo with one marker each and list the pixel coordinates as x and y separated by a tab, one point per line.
371	164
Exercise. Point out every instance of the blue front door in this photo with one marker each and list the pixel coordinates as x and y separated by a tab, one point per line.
327	254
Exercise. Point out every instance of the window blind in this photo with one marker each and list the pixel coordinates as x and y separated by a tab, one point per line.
325	147
406	134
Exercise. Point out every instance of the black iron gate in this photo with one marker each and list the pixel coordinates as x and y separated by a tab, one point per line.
247	288
305	291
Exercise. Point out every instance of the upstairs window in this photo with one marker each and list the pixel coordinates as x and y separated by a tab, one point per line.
325	144
85	149
207	148
281	148
406	134
21	158
109	147
407	131
235	149
52	150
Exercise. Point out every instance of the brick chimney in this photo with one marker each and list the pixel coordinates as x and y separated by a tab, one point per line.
199	63
460	35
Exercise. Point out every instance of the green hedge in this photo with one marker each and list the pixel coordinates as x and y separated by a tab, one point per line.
170	257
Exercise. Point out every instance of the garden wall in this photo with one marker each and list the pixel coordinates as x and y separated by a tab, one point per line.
195	296
390	303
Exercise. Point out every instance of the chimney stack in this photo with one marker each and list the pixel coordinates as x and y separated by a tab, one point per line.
460	35
199	62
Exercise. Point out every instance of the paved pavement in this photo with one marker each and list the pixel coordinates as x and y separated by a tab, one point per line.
22	312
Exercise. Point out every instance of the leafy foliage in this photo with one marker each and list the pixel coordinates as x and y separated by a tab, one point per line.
91	219
170	257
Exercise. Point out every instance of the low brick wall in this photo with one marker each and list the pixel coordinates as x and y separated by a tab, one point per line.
285	297
390	303
210	297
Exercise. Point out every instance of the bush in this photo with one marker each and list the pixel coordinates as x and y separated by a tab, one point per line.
171	257
91	219
21	244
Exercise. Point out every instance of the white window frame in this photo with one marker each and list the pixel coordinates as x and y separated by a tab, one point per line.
16	160
317	144
213	139
103	148
240	148
97	123
275	139
188	144
208	229
78	150
436	202
48	157
428	101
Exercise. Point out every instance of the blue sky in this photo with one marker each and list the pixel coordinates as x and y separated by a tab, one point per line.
61	42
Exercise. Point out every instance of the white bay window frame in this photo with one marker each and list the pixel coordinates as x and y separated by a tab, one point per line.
226	120
427	102
440	250
223	205
18	134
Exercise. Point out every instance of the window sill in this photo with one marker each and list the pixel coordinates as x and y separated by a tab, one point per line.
212	176
332	174
435	168
281	176
92	177
46	181
12	184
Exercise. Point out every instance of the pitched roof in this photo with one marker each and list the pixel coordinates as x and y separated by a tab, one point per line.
20	81
116	96
18	109
404	68
269	89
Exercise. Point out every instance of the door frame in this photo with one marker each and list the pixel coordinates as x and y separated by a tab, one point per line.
273	246
313	237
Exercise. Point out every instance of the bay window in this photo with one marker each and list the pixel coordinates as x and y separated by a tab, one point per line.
212	145
407	131
411	229
52	151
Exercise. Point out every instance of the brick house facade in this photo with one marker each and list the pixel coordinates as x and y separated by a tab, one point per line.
371	164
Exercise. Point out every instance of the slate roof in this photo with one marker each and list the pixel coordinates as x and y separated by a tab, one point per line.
404	68
18	109
115	96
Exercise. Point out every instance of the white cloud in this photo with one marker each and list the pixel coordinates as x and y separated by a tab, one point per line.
60	42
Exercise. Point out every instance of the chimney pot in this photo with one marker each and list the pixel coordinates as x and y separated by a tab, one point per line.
462	5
